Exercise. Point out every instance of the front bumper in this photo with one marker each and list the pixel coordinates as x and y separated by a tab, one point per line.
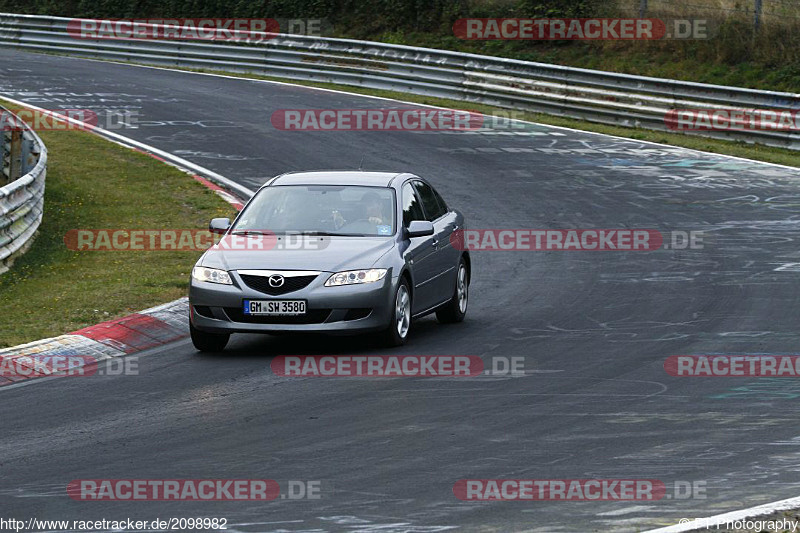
347	309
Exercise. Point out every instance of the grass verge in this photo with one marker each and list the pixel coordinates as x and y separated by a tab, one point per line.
96	184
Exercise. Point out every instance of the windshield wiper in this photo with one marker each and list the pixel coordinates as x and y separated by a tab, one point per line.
299	233
333	234
247	232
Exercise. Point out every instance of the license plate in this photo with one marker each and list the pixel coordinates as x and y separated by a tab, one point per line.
274	307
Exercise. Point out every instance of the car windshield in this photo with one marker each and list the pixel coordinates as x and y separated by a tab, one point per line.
320	209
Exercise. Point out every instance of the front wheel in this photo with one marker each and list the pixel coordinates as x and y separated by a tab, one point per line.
208	342
400	322
456	309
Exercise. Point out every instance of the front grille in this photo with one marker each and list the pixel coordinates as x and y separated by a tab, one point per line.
290	284
312	316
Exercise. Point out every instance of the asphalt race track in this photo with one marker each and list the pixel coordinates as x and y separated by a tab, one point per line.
594	329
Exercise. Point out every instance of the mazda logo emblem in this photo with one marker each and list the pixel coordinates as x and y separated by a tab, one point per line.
276	281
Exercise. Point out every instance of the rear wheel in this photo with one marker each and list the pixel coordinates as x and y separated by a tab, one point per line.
400	322
456	309
208	342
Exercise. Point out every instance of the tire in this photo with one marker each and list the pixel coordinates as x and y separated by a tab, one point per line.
208	342
456	309
396	333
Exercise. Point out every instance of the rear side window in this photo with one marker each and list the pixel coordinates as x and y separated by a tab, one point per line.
412	209
439	199
429	201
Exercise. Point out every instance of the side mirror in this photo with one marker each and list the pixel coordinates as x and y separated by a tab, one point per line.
420	228
219	225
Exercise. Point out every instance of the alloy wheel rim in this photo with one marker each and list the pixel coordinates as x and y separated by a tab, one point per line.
402	312
462	290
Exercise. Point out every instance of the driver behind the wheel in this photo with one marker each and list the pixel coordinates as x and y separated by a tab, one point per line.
373	208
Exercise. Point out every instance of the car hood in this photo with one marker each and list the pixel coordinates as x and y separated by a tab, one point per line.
327	254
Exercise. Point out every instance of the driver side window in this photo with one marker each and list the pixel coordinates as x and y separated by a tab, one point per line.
412	209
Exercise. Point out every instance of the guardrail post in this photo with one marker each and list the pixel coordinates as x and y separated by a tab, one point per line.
28	155
12	155
5	155
16	155
757	16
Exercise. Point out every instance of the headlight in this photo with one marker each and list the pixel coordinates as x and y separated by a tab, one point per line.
354	277
211	275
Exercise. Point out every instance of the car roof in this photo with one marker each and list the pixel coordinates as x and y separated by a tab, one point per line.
336	177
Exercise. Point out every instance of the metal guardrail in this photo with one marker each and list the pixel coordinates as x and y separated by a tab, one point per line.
591	95
24	167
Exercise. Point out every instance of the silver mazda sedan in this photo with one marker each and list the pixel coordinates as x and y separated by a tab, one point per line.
332	252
